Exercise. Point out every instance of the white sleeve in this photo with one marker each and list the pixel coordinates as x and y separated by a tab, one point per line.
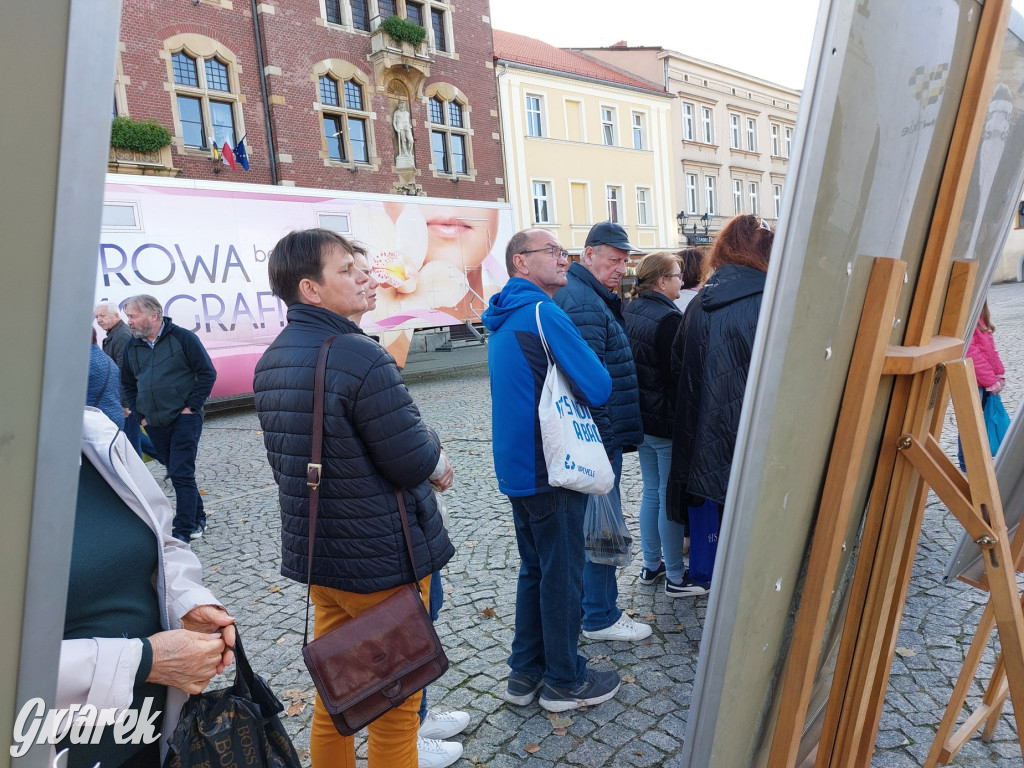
98	671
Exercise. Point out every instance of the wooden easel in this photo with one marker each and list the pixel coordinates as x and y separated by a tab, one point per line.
946	743
925	368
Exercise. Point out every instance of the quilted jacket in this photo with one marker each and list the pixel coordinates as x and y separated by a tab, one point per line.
597	312
374	441
651	322
711	354
988	368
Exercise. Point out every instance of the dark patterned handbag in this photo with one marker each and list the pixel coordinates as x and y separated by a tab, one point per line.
236	726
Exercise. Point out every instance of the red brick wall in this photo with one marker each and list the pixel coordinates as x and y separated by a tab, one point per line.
294	41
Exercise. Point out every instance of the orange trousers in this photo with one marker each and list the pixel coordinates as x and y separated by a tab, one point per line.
392	737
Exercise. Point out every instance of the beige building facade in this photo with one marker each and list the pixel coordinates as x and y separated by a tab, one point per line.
732	135
583	144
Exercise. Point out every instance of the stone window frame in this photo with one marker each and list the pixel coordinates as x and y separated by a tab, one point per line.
201	48
374	19
447	93
342	71
548	199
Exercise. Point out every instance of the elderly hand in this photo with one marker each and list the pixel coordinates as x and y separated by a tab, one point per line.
185	659
447	478
211	619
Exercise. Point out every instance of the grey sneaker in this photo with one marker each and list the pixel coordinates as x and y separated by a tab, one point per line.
599	686
521	689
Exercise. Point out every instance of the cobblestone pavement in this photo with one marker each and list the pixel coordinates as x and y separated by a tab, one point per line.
645	723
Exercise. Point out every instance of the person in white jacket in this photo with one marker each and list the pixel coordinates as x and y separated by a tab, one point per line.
195	634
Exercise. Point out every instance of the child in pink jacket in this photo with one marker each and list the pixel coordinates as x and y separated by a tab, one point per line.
988	368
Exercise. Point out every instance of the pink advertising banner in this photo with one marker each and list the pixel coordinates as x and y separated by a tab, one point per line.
201	248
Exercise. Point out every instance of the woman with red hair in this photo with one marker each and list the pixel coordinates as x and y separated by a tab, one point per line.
711	355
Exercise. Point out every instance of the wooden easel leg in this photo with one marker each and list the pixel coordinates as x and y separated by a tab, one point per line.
859	397
1004	608
944	748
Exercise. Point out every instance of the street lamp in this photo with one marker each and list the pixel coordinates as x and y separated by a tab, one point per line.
705	221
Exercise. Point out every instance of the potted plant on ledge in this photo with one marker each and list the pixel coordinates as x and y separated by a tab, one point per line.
140	147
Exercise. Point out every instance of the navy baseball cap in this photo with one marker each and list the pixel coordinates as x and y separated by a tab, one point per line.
608	233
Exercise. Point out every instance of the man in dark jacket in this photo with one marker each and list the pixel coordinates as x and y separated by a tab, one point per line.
167	377
374	445
548	520
118	334
591	300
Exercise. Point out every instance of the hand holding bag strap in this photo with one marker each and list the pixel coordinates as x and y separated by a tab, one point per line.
314	470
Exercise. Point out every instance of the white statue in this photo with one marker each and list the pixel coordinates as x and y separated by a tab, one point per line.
402	123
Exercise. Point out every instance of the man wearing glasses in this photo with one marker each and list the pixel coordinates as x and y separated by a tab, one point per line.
590	297
548	520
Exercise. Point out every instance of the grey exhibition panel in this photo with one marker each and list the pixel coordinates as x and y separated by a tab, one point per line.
876	119
59	56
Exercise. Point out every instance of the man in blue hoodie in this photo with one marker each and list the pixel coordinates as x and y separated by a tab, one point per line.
548	520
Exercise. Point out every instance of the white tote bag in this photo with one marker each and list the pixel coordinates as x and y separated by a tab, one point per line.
573	449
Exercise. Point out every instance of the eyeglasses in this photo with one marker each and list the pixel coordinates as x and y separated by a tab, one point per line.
765	225
554	251
678	275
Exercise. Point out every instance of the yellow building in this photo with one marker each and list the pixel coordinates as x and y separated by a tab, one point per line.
584	143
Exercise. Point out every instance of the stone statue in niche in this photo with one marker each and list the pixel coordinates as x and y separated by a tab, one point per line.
402	123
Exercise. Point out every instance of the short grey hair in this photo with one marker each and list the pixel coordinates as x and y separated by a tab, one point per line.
110	306
147	304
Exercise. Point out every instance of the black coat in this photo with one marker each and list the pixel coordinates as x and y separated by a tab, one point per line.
711	353
652	320
374	441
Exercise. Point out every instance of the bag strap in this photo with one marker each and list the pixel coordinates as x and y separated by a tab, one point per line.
543	341
314	473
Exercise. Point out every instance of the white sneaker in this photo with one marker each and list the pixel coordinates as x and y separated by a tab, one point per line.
623	629
443	725
437	754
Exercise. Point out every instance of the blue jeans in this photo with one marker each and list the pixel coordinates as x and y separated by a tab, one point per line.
600	588
176	447
659	536
436	601
139	440
549	532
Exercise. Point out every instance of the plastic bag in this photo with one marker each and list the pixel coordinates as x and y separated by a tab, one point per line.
997	420
573	450
605	538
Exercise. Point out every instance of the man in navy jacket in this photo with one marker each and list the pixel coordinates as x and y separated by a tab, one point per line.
548	520
167	376
590	299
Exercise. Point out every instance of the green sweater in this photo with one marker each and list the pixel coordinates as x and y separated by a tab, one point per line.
111	594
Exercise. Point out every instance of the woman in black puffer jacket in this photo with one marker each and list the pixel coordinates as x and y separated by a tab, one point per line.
652	319
711	354
374	445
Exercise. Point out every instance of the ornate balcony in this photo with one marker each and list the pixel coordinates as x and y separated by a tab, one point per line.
392	58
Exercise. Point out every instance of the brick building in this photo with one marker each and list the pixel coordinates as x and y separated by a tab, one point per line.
314	87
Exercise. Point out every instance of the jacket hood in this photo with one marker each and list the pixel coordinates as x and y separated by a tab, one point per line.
730	283
516	294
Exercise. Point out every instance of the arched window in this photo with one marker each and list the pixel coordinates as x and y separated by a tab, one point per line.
346	117
204	83
449	136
